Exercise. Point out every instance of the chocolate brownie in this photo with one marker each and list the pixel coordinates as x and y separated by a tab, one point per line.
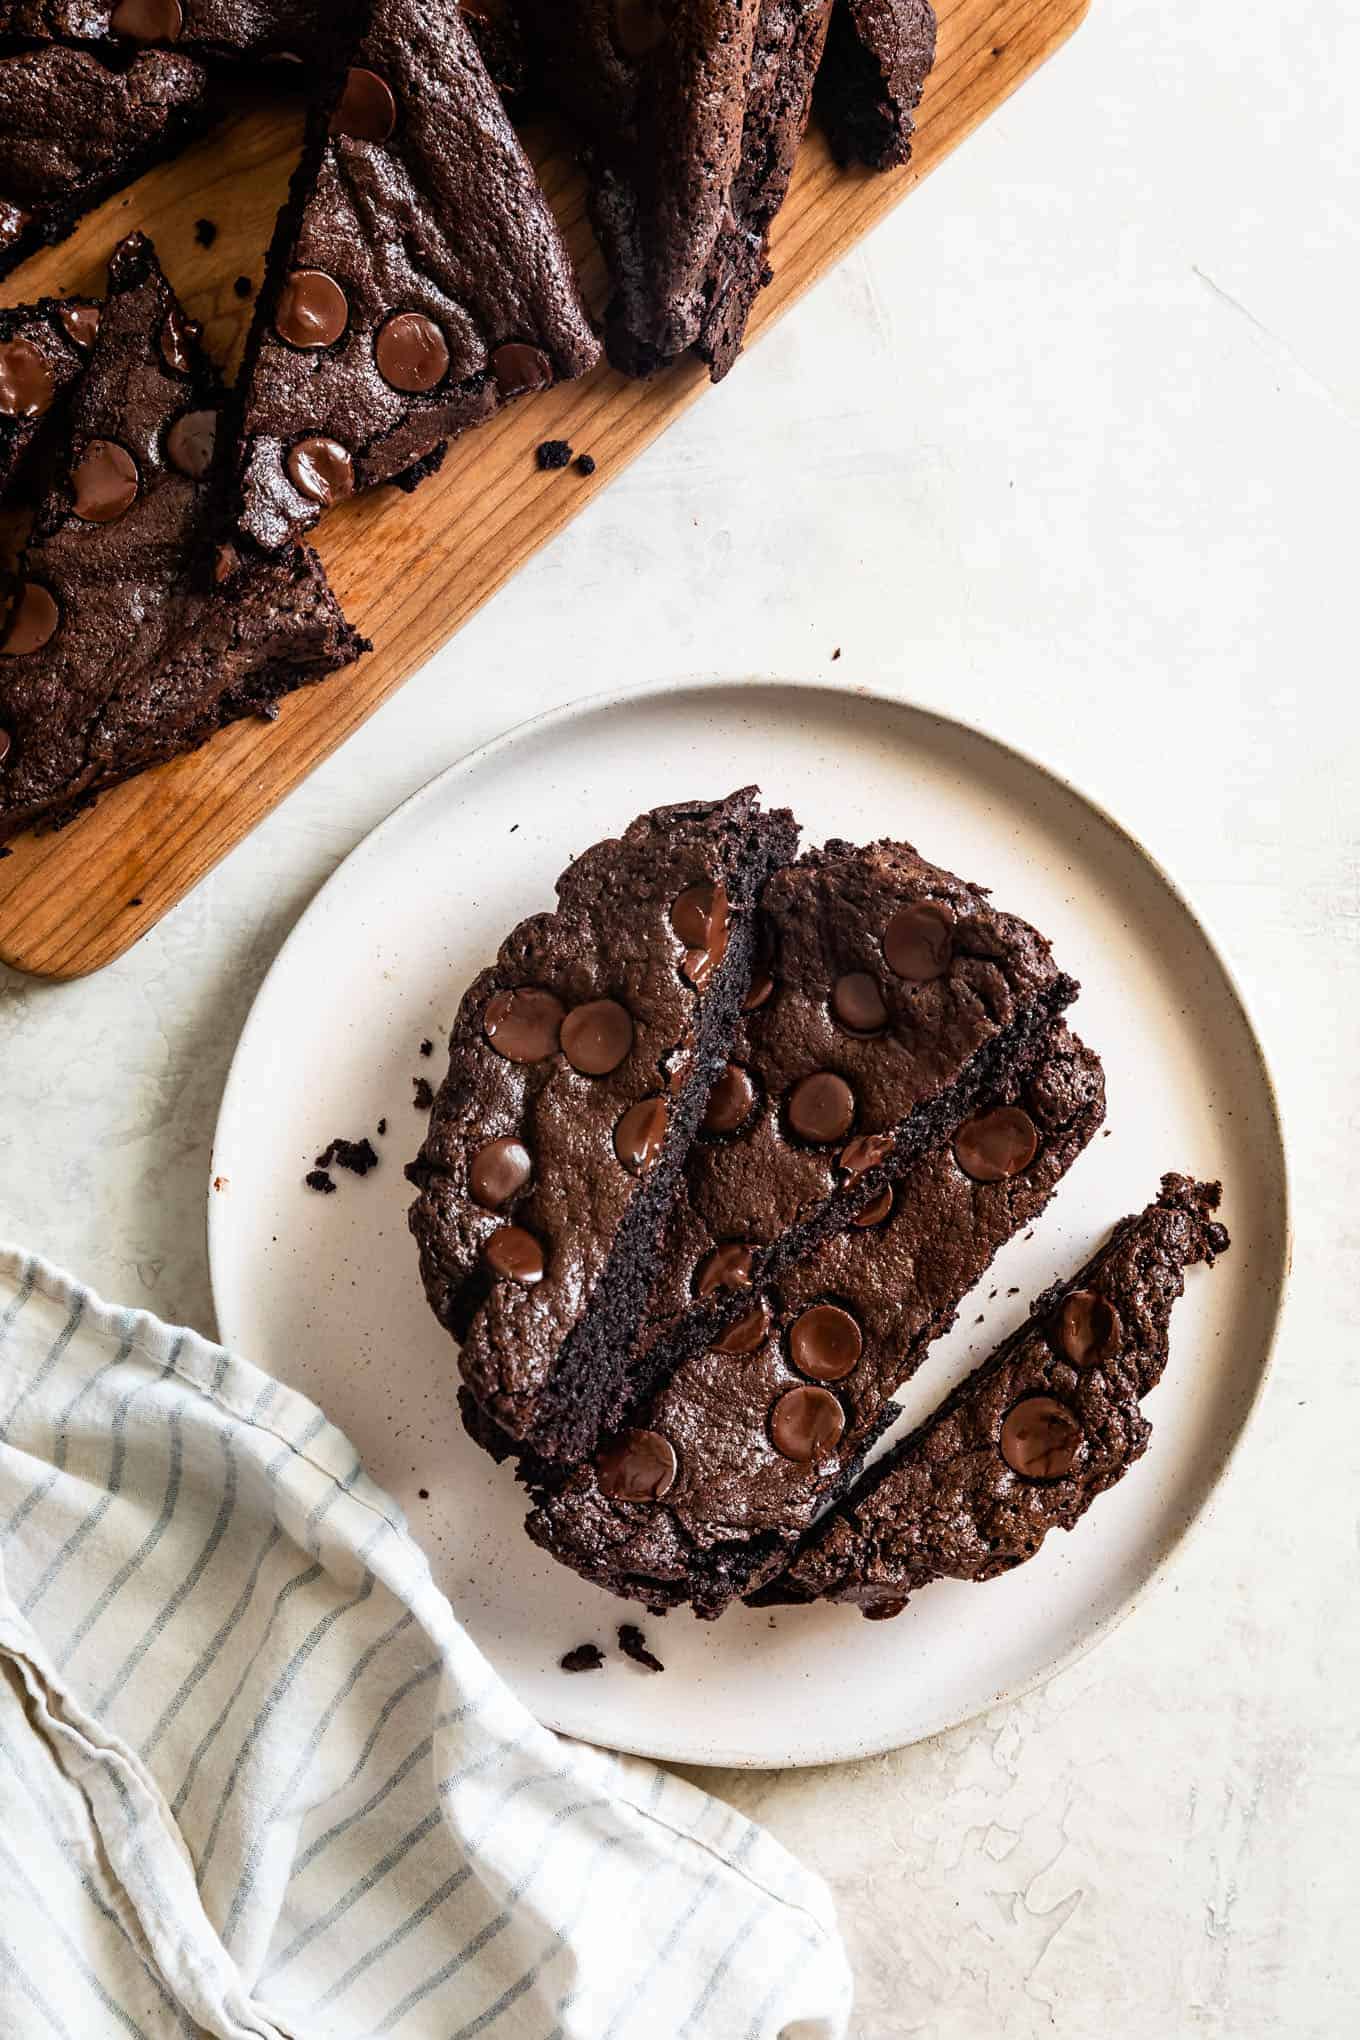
43	348
771	1423
879	54
234	29
579	1065
1027	1442
691	118
73	129
417	281
118	651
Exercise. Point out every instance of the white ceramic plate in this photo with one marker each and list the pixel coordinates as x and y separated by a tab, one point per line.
324	1291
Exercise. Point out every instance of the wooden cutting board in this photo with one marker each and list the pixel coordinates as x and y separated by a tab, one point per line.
410	569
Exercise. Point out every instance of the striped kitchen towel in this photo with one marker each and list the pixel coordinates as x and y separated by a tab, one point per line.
256	1781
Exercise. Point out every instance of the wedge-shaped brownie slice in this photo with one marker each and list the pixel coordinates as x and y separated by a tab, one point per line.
1027	1442
879	54
417	281
236	29
73	129
762	1429
578	1068
691	116
43	349
117	651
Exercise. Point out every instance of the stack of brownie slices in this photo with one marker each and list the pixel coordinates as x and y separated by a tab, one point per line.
724	1142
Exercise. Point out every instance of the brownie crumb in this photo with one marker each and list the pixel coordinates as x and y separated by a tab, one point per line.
243	287
585	464
382	1128
317	1179
424	1098
136	900
1012	1292
205	232
268	711
836	654
423	1493
427	1047
633	1644
587	1657
358	1156
553	454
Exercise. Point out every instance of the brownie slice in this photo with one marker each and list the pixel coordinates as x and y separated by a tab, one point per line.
879	54
301	29
772	1423
117	650
1027	1442
417	281
73	129
43	349
691	118
578	1068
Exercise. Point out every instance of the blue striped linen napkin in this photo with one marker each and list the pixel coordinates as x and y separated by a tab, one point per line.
256	1781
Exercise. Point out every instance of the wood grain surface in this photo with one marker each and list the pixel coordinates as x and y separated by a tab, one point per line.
410	569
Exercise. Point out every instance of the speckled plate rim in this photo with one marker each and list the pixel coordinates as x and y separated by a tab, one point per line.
1178	1538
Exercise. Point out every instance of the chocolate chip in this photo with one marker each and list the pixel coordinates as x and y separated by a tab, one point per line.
517	367
524	1025
638	1466
633	1644
639	1135
805	1423
498	1170
515	1254
587	1657
865	1152
27	384
553	455
179	337
858	1003
205	232
727	1267
320	469
1040	1439
1088	1328
702	920
190	443
762	984
81	323
747	1333
6	741
597	1037
919	941
731	1101
104	482
317	1179
825	1343
366	110
32	621
411	352
822	1108
148	20
313	310
875	1211
991	1147
638	26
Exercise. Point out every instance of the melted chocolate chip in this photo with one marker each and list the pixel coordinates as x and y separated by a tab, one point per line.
638	26
747	1333
313	311
517	367
858	1003
515	1254
81	323
524	1025
27	384
1040	1439
701	918
805	1423
190	442
1089	1330
822	1108
865	1152
320	469
148	20
762	984
498	1170
918	942
6	741
179	336
825	1343
639	1466
104	482
875	1211
32	621
991	1147
597	1037
411	352
639	1135
727	1267
366	110
730	1102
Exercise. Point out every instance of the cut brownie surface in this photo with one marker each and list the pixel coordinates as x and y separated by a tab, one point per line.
691	116
43	349
117	650
417	281
825	1349
879	54
1026	1443
579	1065
73	129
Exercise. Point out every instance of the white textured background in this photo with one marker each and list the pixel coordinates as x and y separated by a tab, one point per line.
1069	448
